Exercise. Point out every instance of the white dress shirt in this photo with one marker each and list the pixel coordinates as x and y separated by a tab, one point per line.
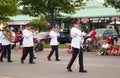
0	37
27	38
76	37
54	37
4	39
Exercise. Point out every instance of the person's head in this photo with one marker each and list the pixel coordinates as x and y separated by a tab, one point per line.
52	27
27	26
75	23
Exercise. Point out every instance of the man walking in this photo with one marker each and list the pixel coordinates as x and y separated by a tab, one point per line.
27	44
76	45
54	33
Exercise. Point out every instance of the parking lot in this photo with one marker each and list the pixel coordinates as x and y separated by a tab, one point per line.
97	66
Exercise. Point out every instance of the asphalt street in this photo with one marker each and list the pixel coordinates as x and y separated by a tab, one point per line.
97	66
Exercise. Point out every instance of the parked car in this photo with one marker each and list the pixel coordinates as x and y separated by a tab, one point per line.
103	32
64	37
44	37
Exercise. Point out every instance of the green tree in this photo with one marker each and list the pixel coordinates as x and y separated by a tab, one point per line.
50	9
113	3
40	24
8	8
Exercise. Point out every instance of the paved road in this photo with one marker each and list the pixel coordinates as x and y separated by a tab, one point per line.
97	66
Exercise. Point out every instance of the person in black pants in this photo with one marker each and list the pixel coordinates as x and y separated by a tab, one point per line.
30	51
76	45
54	33
27	44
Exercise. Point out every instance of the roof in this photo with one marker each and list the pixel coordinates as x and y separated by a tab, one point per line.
21	18
94	8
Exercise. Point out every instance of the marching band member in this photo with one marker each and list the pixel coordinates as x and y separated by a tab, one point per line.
54	33
6	45
76	45
27	44
0	42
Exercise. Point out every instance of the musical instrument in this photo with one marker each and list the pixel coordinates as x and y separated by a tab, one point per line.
6	31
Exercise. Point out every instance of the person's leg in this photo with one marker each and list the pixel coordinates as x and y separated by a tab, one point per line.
51	53
74	54
31	55
17	45
81	68
2	53
25	53
56	53
9	53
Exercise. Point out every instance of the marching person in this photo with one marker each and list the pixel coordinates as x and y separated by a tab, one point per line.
54	33
0	42
6	44
76	45
27	44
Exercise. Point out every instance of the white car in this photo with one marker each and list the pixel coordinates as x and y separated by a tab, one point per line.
44	37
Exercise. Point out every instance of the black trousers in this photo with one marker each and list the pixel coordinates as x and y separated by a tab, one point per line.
54	48
26	51
75	52
6	51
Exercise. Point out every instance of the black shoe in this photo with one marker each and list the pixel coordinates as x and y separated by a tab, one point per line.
10	61
57	59
22	61
48	59
83	71
69	69
32	63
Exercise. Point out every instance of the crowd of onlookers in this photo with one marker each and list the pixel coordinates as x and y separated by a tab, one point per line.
104	46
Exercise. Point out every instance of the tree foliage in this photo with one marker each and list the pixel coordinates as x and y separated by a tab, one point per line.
40	24
49	8
8	8
113	3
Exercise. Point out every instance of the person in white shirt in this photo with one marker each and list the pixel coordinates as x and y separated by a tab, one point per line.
6	44
76	45
0	42
27	44
54	33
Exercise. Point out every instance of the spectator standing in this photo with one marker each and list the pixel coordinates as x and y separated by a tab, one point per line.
93	38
